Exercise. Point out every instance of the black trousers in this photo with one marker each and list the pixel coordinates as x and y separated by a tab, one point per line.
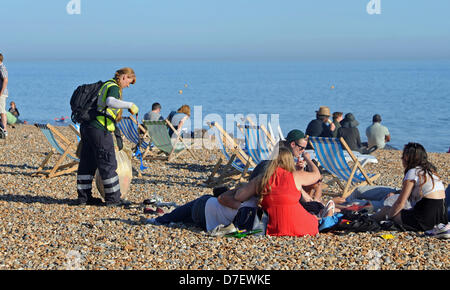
97	152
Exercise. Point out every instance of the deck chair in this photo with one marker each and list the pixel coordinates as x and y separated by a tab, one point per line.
235	156
63	148
330	154
257	145
129	127
159	134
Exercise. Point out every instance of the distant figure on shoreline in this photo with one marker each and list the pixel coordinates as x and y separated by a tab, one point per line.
155	113
15	113
377	134
322	125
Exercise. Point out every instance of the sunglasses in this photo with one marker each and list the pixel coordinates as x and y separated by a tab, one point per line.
299	146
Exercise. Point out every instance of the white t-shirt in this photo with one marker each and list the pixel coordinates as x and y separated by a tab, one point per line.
417	175
217	214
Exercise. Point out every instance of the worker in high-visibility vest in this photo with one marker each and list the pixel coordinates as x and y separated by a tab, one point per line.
97	151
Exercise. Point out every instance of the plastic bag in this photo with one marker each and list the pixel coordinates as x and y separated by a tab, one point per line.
124	171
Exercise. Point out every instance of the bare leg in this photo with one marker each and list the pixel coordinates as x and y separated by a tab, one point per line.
4	121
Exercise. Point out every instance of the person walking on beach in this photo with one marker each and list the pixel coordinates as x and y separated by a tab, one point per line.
377	134
3	94
97	150
322	125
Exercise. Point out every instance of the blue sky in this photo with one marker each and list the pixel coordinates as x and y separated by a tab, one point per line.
226	29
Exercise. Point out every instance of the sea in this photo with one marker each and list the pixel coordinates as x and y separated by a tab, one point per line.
412	97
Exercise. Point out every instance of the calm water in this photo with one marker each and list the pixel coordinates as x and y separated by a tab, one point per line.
412	97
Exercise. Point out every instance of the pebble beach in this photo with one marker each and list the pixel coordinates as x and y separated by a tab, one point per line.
40	230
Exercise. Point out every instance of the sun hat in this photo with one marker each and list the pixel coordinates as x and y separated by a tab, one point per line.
323	111
295	135
349	121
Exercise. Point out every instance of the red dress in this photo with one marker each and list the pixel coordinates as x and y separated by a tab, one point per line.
287	217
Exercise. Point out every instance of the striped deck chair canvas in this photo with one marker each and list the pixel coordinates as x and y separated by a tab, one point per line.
257	144
159	134
129	128
330	154
235	156
63	148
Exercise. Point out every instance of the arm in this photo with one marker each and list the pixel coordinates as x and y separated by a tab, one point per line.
227	199
387	138
399	204
112	102
246	192
307	177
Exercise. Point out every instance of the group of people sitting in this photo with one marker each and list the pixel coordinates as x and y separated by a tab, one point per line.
288	188
347	128
180	118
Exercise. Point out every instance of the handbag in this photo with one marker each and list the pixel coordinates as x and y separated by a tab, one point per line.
250	219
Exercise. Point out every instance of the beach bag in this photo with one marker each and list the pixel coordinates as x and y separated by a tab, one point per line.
124	171
251	219
84	102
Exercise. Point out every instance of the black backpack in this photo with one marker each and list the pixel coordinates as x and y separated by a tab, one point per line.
84	102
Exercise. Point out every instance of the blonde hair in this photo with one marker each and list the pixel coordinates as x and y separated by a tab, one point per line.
125	71
185	109
283	160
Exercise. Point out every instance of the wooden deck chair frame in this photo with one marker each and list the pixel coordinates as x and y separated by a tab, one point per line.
65	145
172	155
236	152
349	185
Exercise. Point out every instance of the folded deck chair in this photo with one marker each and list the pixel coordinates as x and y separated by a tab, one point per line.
257	144
159	134
129	127
63	148
330	154
235	156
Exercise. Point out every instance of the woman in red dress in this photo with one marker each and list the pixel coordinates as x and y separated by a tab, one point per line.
279	189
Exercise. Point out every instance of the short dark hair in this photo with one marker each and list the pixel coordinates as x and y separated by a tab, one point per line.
376	118
337	115
1	57
156	106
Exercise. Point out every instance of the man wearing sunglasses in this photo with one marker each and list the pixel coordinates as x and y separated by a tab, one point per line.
297	142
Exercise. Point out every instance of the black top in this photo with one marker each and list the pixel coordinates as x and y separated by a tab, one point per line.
351	137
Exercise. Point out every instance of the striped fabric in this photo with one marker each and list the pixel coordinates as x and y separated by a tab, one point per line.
51	139
130	130
237	163
256	143
330	154
160	136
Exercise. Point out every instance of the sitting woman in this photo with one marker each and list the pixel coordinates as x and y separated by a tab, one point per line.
279	192
349	131
424	190
180	121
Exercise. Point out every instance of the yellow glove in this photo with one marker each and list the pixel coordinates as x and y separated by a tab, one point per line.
134	109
